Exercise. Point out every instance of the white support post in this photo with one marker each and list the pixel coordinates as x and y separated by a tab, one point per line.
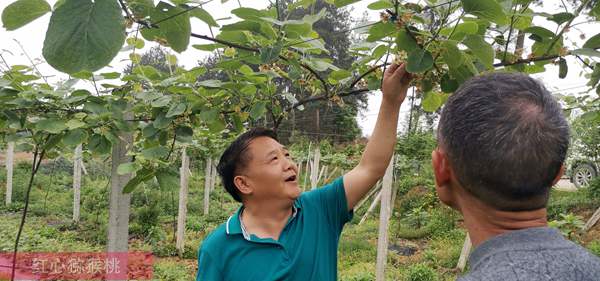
384	222
371	207
77	169
184	174
10	153
207	179
464	254
314	175
592	221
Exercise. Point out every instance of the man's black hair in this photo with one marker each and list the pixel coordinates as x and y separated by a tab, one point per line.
236	157
506	139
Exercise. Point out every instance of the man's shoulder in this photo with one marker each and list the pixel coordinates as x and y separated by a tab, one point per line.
215	240
563	261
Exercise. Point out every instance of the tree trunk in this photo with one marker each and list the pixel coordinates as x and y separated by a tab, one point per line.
384	221
207	179
10	152
77	169
184	174
118	214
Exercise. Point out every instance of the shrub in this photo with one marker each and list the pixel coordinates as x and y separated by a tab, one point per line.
593	190
421	272
594	247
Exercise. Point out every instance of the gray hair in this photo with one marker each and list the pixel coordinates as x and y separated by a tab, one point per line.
506	139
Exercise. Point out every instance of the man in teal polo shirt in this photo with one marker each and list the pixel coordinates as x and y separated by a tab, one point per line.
280	233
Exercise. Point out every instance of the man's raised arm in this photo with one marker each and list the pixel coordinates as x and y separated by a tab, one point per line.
380	147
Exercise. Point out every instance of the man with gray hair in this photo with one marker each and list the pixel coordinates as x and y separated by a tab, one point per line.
502	141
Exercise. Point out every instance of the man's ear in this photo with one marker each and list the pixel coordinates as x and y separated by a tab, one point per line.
443	177
560	173
241	182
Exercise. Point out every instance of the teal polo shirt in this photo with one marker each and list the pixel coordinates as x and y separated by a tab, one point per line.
306	249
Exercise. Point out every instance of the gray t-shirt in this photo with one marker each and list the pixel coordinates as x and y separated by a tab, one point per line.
540	253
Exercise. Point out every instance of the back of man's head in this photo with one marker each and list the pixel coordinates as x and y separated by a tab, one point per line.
506	138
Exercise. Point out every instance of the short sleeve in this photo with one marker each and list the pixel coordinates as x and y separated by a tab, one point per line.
331	198
208	269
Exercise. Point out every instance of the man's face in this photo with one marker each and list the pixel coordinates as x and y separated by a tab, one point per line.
270	174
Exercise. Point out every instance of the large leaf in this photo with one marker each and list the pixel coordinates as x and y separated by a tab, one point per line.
175	31
167	179
84	35
380	30
432	101
406	42
141	176
481	49
486	9
451	54
342	3
204	16
53	126
593	42
22	12
419	61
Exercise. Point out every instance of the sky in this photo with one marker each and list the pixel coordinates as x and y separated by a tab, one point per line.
31	37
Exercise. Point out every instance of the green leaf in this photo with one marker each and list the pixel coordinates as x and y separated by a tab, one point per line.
140	8
99	144
50	125
586	52
84	35
431	101
269	54
563	68
184	134
248	13
75	137
161	102
381	4
419	61
75	123
561	18
141	176
448	84
451	54
486	9
340	74
405	42
595	76
167	179
524	20
258	109
380	30
176	31
204	16
176	109
593	42
157	152
481	49
22	12
342	3
539	33
126	168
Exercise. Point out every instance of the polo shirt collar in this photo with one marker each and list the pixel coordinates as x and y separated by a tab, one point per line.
234	222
